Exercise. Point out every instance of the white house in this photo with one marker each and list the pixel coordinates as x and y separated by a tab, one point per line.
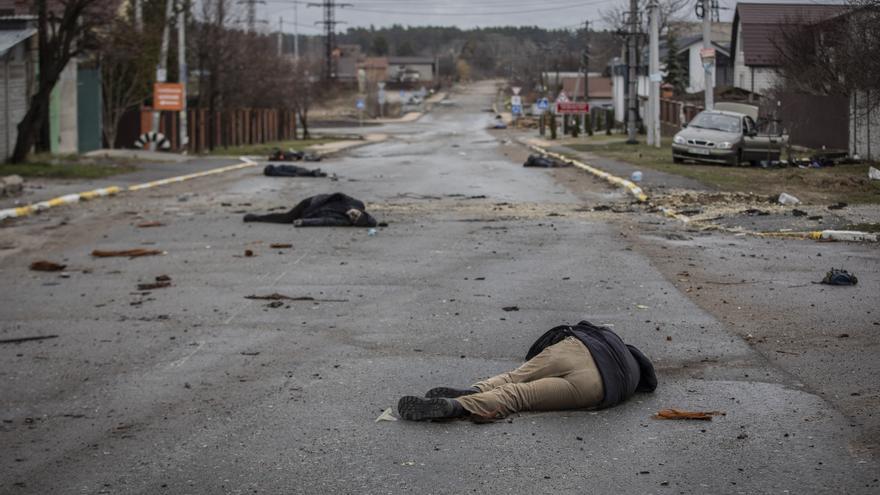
756	27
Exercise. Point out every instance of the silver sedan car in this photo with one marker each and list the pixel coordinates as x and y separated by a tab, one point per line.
726	137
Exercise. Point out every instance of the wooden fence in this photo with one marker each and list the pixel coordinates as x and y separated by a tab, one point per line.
227	128
673	113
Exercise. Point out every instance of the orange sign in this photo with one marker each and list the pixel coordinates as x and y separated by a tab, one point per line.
168	96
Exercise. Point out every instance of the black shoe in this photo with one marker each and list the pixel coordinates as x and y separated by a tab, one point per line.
414	408
451	393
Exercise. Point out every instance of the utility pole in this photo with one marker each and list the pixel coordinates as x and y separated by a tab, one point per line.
280	36
161	68
251	15
654	76
138	16
632	98
708	63
295	32
585	61
329	23
183	76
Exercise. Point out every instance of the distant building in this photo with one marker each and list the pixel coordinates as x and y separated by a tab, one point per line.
756	27
600	90
412	70
18	67
376	69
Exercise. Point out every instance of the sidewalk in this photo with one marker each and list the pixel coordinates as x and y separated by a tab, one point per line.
36	190
652	180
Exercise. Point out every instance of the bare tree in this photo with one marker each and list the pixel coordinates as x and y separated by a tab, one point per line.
304	90
64	31
670	10
126	58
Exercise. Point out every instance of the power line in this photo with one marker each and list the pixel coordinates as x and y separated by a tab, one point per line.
472	14
329	23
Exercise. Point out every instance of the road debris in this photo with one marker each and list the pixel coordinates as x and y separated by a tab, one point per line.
386	415
838	206
788	199
248	253
131	253
845	235
873	173
147	225
839	277
16	340
47	266
281	297
510	308
280	245
691	415
161	282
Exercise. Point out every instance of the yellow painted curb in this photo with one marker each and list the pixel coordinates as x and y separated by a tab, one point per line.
70	199
247	162
633	189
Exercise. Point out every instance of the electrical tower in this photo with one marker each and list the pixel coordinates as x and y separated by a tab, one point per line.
251	13
329	23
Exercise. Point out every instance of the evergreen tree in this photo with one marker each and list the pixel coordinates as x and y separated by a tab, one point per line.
675	74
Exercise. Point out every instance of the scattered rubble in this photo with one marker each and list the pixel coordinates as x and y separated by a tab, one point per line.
689	415
47	266
130	253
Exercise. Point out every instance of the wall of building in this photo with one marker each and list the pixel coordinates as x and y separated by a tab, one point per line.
864	126
63	112
14	73
755	79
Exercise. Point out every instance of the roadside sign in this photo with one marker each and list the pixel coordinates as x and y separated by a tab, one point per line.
543	104
360	104
516	109
515	89
381	96
707	53
562	98
656	77
572	107
516	101
168	96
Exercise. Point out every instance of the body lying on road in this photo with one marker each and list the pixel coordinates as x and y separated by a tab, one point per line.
291	171
569	367
322	210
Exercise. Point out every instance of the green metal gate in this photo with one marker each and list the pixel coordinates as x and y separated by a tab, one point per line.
89	117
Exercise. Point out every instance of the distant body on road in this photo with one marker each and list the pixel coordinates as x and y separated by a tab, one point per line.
322	210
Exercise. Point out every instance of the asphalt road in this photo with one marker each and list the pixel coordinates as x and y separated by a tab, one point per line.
195	389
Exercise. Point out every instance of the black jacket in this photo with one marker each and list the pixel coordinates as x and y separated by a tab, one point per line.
624	369
322	210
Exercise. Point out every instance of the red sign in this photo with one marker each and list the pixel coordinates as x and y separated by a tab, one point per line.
168	96
572	107
707	53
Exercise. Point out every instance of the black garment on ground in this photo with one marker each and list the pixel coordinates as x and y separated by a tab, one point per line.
323	210
543	162
624	369
291	171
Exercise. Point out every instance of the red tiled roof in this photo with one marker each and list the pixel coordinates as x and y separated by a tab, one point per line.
761	22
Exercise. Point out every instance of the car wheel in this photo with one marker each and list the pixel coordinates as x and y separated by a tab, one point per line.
736	159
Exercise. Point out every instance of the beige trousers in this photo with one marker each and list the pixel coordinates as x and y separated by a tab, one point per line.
562	376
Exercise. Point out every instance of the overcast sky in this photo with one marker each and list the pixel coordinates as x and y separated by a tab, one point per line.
567	14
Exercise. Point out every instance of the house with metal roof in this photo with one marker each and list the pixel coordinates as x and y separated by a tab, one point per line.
756	32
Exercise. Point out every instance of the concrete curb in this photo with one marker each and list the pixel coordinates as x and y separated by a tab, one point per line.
70	199
633	189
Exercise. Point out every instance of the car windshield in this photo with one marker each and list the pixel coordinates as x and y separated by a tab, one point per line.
717	121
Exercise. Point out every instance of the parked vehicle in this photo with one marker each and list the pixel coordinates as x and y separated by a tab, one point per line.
726	136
